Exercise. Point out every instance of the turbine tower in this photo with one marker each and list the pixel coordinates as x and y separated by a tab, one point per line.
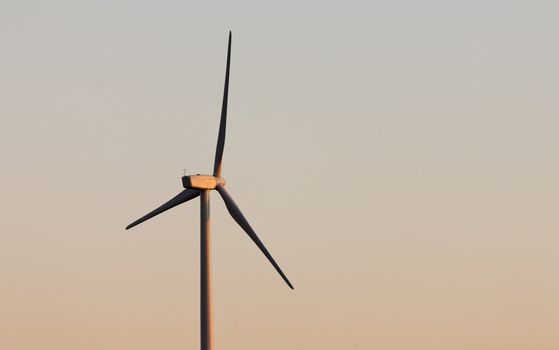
201	185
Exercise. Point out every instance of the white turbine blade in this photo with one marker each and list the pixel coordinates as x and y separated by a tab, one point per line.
223	121
182	197
240	219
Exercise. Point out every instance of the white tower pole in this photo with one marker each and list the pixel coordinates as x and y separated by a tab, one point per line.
206	317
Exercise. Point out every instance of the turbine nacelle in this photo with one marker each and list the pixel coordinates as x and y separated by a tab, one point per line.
202	182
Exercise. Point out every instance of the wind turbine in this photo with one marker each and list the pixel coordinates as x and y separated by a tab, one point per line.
201	185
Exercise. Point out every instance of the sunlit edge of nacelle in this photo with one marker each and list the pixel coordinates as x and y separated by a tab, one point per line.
202	182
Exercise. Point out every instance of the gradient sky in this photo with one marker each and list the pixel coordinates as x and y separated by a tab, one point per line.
398	158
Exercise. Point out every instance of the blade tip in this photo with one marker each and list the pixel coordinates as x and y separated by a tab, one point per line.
289	283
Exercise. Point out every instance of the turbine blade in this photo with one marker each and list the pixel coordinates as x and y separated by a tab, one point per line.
223	121
182	197
240	219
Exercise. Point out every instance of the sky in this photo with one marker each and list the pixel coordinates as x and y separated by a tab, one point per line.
398	158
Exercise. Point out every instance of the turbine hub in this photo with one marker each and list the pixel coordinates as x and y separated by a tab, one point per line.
202	182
